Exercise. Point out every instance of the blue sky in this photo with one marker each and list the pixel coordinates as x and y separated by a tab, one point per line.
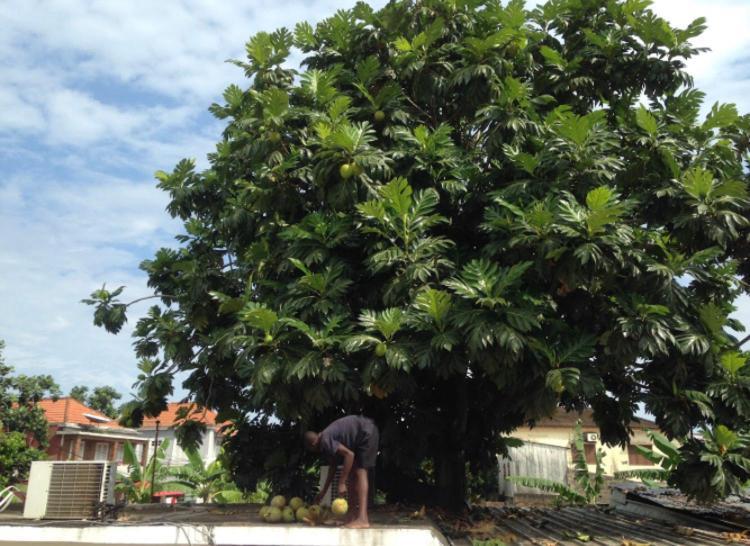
97	95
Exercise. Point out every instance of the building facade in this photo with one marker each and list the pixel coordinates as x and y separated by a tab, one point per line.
80	433
167	422
558	431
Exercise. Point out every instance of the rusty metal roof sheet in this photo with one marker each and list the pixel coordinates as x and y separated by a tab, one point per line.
604	526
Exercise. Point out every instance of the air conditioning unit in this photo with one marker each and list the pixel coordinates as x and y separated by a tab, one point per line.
591	436
331	493
69	489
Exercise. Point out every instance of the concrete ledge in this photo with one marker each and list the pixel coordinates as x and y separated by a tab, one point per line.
47	533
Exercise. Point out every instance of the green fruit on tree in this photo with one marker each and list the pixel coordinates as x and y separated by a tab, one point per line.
279	501
379	116
339	507
287	514
302	513
380	349
274	137
296	503
345	171
273	515
356	169
269	339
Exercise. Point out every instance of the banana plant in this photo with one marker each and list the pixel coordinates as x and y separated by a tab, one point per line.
665	456
136	485
207	482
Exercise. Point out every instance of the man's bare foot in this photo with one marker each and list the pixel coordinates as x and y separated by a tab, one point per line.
358	524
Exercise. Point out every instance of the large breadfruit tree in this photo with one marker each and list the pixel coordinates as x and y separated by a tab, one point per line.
456	217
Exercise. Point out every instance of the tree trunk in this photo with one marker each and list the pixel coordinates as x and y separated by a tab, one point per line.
450	461
450	477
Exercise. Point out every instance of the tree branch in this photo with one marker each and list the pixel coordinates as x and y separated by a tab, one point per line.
743	341
151	297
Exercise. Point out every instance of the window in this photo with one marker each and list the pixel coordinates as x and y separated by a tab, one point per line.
81	455
120	453
636	458
102	451
139	451
589	452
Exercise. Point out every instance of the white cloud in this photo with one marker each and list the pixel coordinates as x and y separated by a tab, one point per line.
97	95
62	243
76	119
88	89
718	72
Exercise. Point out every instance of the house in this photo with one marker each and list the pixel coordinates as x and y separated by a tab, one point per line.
558	431
169	419
80	433
548	451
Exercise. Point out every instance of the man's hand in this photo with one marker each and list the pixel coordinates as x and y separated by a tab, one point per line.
348	457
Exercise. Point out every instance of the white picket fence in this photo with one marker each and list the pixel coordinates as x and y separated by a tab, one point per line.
533	460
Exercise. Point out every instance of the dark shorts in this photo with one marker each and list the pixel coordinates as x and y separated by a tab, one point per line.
367	447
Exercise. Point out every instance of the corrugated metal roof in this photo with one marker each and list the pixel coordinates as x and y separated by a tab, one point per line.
595	525
734	510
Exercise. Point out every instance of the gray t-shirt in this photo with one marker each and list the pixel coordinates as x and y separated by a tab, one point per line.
348	431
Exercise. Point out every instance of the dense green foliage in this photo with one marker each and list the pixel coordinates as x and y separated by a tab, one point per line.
101	398
23	426
456	218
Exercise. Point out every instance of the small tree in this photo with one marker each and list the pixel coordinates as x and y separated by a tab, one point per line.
23	425
79	392
101	398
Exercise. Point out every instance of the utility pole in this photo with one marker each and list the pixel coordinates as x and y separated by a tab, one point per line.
153	460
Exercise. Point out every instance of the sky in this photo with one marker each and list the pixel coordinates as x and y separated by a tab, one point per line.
95	96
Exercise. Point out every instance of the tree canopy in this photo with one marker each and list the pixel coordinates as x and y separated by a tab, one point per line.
23	425
457	216
101	398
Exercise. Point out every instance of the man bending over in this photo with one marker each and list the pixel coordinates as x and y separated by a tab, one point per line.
351	441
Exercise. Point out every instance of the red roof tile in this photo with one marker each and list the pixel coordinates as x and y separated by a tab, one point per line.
168	418
68	410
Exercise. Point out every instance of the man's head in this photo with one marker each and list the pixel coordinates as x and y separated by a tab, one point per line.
312	441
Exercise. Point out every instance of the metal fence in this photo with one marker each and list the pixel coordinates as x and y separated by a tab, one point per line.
534	460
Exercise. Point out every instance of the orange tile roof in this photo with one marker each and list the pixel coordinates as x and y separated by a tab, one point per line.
168	418
67	410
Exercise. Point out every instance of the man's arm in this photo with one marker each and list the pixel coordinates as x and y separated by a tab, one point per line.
329	479
348	456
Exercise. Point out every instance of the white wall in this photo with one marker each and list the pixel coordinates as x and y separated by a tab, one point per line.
175	456
615	457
